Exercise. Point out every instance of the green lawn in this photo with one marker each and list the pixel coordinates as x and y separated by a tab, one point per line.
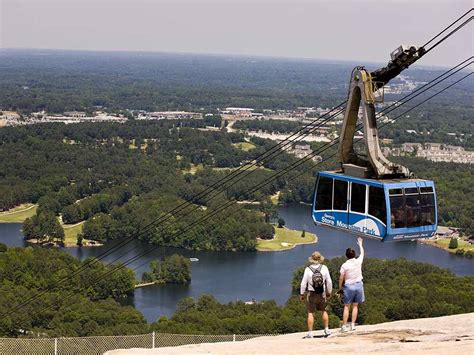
70	233
275	198
18	214
285	239
245	146
444	243
194	169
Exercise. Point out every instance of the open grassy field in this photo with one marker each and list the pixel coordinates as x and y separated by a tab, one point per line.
70	233
245	146
274	198
18	214
285	239
194	169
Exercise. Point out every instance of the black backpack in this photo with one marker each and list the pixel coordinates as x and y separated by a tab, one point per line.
317	280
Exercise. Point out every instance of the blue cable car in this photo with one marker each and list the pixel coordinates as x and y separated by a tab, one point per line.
384	209
372	196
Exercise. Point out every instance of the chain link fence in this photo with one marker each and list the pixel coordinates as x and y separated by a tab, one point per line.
100	344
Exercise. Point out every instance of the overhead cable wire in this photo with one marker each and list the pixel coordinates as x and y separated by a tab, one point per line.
449	26
449	35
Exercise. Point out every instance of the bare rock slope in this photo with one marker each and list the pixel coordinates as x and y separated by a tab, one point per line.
443	335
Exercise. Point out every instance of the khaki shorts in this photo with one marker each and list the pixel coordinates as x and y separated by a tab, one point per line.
315	301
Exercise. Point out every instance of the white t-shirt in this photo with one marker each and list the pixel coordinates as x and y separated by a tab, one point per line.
352	270
307	281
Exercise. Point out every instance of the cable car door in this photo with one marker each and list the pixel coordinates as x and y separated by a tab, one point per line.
340	203
357	207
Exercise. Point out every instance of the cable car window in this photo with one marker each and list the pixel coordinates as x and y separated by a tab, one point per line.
413	207
324	194
427	209
395	192
340	195
397	208
426	189
358	197
377	207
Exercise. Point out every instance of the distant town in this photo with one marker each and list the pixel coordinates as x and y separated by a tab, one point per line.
436	152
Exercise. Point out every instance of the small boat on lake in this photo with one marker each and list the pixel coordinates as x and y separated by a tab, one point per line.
193	259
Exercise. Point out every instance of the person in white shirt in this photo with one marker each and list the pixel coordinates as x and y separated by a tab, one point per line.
316	296
351	283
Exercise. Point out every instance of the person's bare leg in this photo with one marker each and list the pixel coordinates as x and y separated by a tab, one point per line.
310	321
355	309
325	320
345	314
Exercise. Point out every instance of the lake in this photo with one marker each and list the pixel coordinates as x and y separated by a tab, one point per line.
231	276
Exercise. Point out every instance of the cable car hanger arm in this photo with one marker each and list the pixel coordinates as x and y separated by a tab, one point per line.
362	90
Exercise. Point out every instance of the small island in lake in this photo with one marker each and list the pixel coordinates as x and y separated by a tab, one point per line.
175	269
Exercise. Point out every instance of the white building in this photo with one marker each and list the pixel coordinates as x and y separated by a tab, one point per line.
172	115
239	111
78	114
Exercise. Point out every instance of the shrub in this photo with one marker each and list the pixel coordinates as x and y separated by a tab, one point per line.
281	222
453	243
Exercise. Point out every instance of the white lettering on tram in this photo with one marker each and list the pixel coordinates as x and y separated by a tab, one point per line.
327	220
359	227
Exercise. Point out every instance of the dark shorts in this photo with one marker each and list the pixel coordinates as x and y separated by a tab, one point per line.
315	301
354	293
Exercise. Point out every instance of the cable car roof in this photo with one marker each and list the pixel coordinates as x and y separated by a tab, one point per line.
374	182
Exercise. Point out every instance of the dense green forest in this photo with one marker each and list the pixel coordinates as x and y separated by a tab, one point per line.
454	189
437	121
93	308
119	177
61	81
395	290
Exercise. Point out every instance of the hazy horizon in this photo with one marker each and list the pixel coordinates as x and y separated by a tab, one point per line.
302	29
217	55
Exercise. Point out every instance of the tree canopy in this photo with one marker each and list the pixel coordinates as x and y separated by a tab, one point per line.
81	306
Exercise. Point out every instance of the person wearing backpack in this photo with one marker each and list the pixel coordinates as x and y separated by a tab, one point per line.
315	289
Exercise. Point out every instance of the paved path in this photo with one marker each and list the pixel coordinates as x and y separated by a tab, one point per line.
17	211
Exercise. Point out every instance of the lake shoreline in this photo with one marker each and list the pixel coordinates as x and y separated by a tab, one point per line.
65	245
434	243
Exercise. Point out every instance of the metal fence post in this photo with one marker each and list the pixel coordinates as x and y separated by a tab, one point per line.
153	340
55	346
233	337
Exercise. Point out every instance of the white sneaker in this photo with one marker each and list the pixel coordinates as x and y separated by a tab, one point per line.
344	329
308	336
327	332
353	327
